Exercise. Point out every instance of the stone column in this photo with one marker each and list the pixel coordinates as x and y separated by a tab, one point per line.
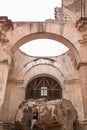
82	28
17	95
5	56
83	73
4	68
84	8
72	92
5	60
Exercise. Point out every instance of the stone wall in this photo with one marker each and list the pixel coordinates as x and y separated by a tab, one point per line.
16	69
25	68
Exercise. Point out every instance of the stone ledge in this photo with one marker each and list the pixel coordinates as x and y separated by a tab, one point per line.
81	64
81	24
15	81
72	81
83	122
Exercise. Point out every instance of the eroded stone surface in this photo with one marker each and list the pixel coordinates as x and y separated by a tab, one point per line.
60	111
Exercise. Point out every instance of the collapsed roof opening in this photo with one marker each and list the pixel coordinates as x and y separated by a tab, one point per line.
44	48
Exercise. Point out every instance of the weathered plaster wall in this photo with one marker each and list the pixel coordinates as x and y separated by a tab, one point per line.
25	68
3	81
70	69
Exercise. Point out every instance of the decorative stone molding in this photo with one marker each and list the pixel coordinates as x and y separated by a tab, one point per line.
83	122
15	81
3	38
84	40
39	61
4	54
5	25
5	62
81	24
71	81
81	64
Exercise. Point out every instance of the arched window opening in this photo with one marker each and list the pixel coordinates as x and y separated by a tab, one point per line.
43	87
43	91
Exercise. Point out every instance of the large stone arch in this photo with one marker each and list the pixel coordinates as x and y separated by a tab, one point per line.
24	70
48	35
67	33
32	73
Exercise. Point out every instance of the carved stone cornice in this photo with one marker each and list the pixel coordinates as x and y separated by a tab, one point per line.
83	122
4	62
3	38
15	81
81	24
84	40
72	81
82	64
5	25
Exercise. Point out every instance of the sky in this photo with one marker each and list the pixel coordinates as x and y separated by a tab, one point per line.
28	10
34	10
41	47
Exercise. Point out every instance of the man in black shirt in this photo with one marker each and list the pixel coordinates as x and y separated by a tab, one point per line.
34	118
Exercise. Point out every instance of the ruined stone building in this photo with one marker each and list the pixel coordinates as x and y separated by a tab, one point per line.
23	77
